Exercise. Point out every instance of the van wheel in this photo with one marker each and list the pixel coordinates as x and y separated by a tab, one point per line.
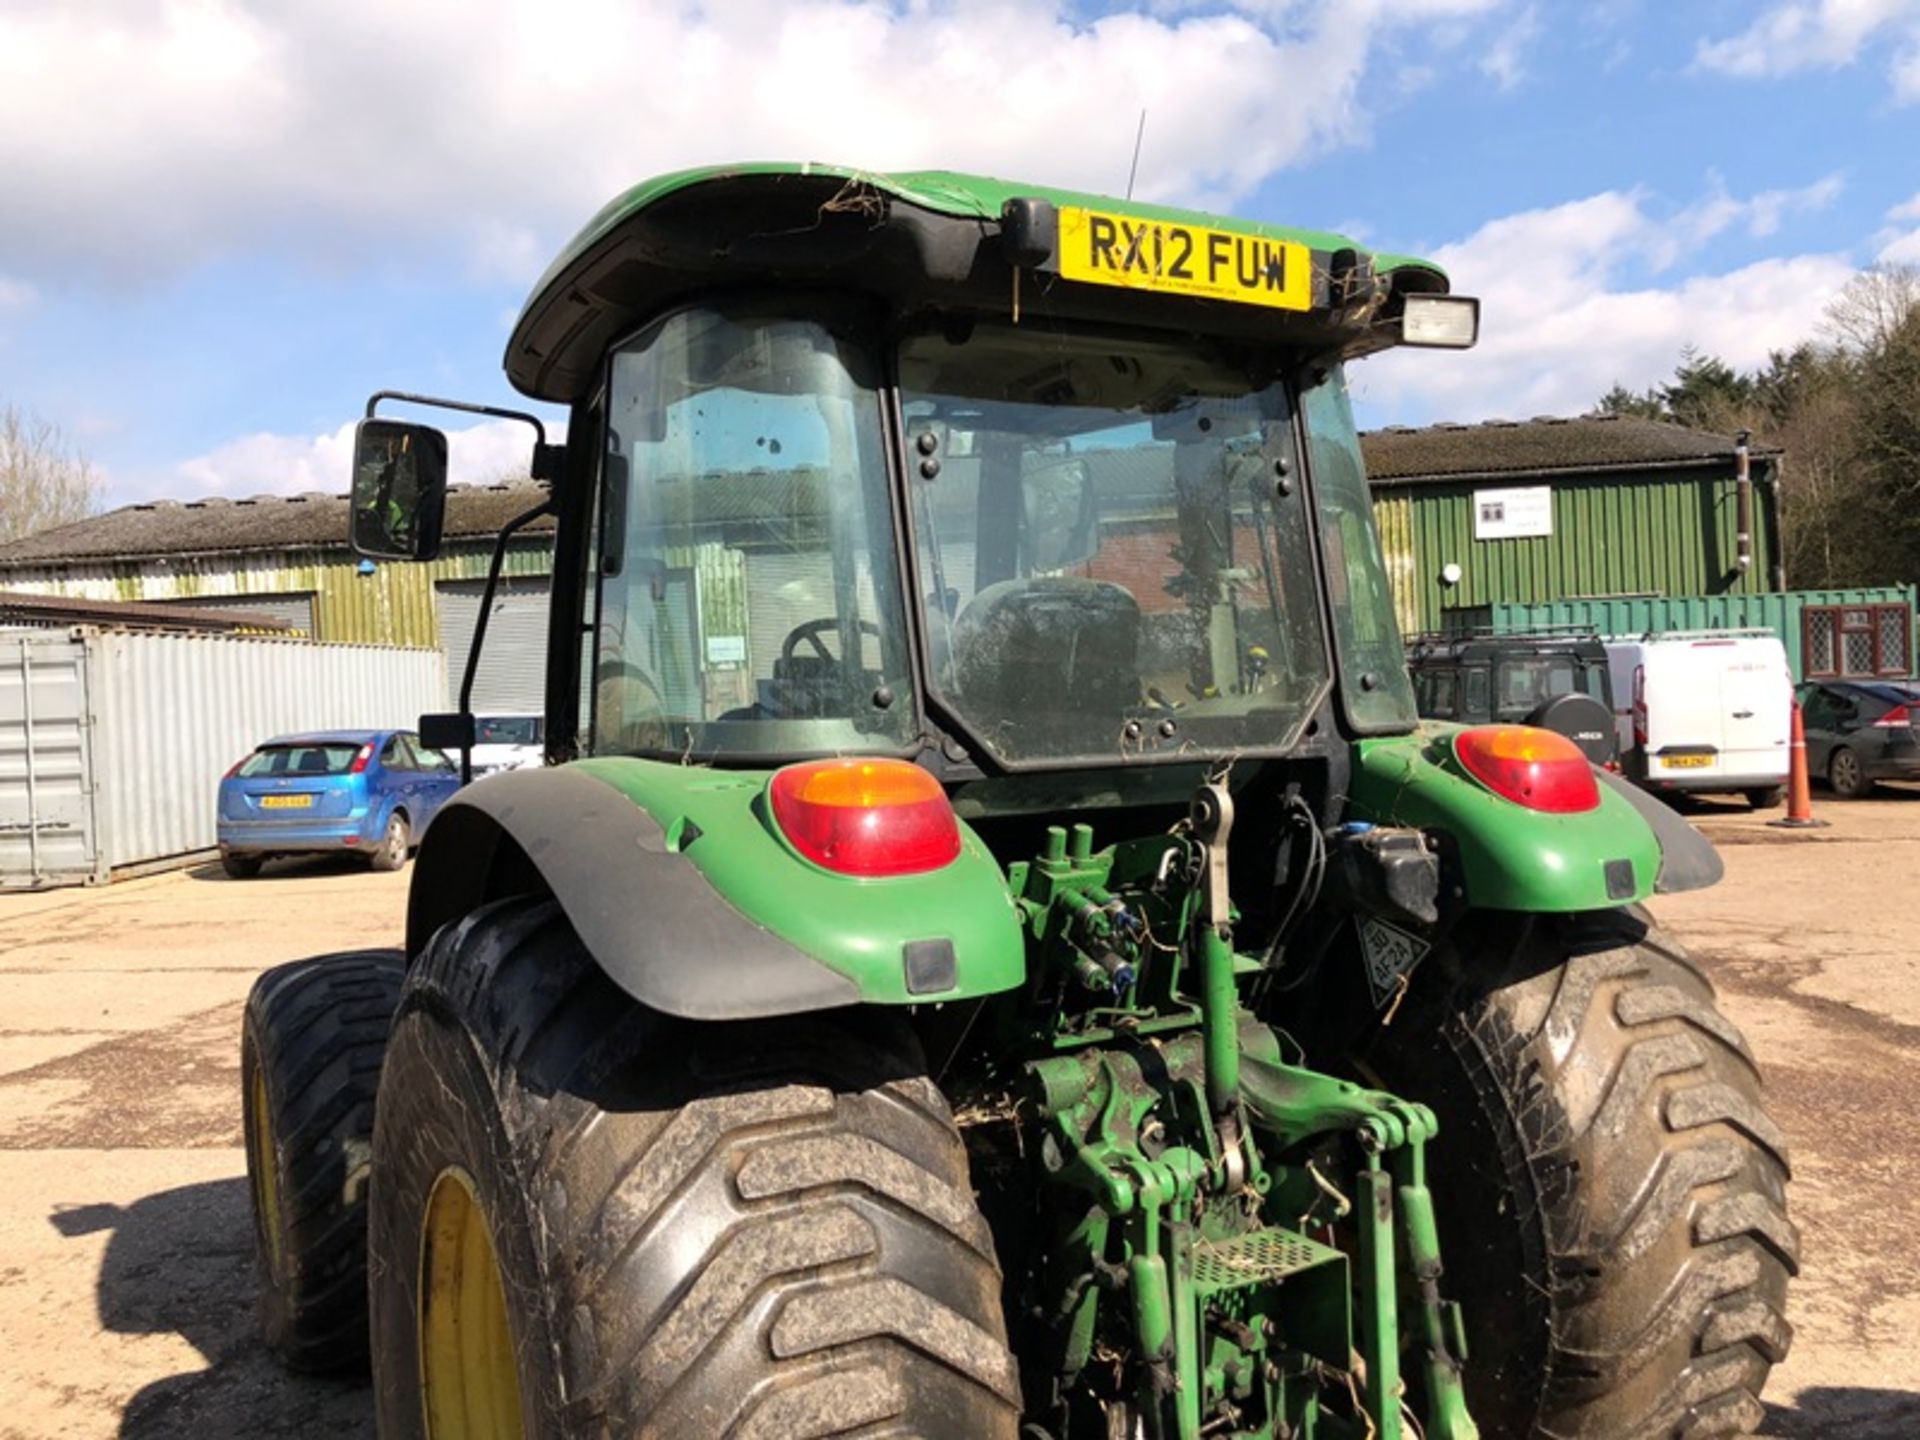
1848	776
391	853
758	1228
1609	1187
1767	797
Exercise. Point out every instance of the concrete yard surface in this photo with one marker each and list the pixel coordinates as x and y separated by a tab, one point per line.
126	1270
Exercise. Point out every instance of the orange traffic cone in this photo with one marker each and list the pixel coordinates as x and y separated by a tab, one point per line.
1799	814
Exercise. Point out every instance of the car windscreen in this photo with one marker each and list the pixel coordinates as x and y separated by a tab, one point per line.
330	759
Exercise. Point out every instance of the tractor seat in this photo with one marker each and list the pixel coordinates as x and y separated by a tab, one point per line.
1048	652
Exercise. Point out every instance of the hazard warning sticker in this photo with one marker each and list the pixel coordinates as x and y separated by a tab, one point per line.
1390	954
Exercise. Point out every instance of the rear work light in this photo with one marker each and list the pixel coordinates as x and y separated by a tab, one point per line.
1540	769
866	817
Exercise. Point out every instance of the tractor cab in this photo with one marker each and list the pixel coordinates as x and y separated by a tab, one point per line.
987	476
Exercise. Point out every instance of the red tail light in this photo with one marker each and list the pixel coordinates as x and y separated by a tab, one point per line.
1640	706
866	817
236	766
361	758
1539	769
1898	718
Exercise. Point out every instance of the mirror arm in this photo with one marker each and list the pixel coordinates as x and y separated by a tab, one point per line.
547	459
507	532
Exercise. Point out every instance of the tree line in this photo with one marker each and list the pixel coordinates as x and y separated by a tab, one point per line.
1845	409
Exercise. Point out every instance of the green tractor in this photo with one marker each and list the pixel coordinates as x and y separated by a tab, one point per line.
993	951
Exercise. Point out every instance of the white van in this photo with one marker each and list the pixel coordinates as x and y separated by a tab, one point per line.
1707	710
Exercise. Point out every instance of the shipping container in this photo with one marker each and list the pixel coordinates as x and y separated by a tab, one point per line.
1885	625
112	744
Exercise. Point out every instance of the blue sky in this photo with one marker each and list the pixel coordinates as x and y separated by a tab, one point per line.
225	223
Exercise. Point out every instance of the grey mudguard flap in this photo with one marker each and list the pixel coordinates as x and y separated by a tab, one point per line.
1688	860
648	916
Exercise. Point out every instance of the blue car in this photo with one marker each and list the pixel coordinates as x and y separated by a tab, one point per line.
364	792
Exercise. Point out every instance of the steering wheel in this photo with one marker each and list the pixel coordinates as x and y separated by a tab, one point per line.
813	633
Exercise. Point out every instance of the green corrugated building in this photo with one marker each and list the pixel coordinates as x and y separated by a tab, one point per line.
1508	513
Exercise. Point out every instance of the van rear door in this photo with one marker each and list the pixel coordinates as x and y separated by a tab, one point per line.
1756	705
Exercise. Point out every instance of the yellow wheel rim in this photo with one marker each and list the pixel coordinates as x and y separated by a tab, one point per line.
468	1383
265	1171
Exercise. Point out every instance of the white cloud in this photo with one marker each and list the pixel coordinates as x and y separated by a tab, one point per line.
1898	245
1826	35
15	295
267	464
1506	59
1561	321
136	137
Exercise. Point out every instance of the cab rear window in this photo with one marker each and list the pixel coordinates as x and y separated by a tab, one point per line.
299	760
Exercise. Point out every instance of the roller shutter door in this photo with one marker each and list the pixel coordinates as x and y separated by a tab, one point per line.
513	667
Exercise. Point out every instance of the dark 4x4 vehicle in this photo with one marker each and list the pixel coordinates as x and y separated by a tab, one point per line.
1556	680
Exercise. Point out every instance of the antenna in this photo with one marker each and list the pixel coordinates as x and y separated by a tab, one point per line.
1138	135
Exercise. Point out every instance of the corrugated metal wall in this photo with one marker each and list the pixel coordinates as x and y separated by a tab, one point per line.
1635	534
165	716
1777	611
392	606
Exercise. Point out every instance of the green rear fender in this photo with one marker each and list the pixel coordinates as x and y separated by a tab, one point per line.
1510	857
958	922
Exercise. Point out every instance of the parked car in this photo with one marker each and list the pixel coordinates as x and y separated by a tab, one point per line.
1861	731
367	792
1708	711
507	742
1555	679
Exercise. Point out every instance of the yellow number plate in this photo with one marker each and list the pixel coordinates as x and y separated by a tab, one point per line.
1176	259
286	802
1686	762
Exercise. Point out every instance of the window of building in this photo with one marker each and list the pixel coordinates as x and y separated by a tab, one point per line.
1856	641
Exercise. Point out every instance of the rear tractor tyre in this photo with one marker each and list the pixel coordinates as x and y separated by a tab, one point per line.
310	1052
1766	797
241	867
744	1229
1609	1187
1848	776
391	853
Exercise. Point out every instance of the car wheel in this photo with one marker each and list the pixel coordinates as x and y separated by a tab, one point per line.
1847	775
391	853
241	867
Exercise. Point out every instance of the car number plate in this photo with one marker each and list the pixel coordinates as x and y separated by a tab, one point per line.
286	802
1686	762
1179	259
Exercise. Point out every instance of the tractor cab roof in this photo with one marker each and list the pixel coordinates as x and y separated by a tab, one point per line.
931	240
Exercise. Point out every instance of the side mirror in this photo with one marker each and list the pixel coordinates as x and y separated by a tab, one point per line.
399	496
1057	520
447	732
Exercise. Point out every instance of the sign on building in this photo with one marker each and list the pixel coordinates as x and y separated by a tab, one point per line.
1513	514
